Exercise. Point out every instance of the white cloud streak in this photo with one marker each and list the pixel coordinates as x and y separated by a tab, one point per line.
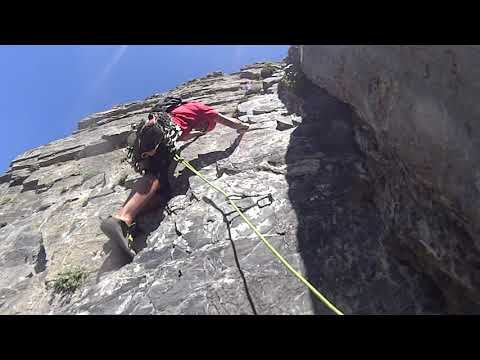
118	54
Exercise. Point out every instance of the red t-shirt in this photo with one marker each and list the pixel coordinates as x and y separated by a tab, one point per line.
194	115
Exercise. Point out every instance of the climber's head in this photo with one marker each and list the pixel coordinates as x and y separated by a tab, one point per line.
150	120
150	138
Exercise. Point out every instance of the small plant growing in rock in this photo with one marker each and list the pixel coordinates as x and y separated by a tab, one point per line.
68	281
236	113
89	174
293	80
122	179
5	201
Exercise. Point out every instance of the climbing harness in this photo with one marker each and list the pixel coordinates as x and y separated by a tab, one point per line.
317	293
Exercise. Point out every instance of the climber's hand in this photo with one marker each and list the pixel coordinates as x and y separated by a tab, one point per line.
242	128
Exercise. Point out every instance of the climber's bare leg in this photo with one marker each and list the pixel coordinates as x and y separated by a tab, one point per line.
154	203
143	192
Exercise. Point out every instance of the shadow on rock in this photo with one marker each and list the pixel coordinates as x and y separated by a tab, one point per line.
340	234
115	259
182	184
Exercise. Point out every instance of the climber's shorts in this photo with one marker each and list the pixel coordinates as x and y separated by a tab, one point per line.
161	172
162	164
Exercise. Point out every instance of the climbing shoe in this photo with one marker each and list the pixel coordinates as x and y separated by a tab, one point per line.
119	232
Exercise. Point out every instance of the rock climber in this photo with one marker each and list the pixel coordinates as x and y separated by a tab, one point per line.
151	154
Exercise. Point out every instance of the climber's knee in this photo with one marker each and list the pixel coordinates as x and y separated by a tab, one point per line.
148	184
155	185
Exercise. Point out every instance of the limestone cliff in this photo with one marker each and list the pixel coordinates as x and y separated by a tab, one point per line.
302	175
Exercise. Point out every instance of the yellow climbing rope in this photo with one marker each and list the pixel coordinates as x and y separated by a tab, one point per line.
265	241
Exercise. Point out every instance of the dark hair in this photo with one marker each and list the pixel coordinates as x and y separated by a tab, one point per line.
161	132
150	137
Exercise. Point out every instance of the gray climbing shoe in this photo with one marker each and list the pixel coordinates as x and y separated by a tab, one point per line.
119	232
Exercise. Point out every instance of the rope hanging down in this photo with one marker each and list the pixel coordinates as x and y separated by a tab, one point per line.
265	241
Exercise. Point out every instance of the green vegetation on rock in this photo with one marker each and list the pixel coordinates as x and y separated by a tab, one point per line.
69	281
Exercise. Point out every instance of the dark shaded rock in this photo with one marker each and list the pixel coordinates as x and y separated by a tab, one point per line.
215	74
284	123
267	71
251	74
416	128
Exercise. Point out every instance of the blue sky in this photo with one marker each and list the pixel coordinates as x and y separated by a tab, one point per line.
46	90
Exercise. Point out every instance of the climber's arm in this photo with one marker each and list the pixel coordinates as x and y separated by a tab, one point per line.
221	119
191	135
231	122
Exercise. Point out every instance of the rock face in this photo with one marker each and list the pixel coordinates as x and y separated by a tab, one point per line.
419	105
302	175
